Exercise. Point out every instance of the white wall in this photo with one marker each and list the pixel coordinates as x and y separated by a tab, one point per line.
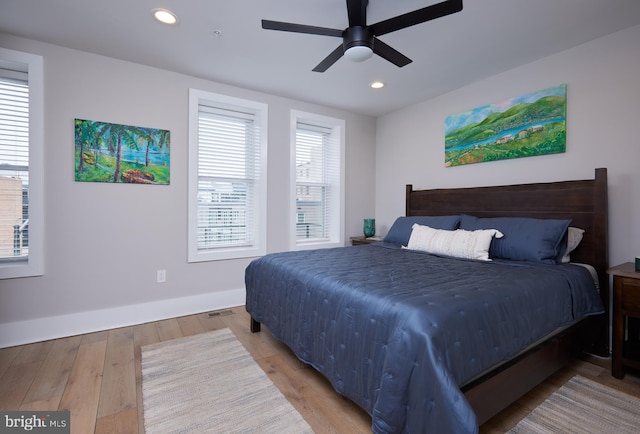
104	242
603	116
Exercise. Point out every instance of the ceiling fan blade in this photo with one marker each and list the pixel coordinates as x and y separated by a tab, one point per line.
391	54
357	10
416	17
330	59
300	28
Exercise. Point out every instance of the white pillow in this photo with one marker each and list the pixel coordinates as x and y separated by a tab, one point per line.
574	236
458	243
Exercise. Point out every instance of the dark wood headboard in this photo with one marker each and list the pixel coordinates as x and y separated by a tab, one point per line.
584	202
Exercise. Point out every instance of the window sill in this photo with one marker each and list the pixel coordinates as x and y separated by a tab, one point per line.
17	269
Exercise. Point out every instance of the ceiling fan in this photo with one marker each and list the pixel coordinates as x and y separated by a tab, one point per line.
359	40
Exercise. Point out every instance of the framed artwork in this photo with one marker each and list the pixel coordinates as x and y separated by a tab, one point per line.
525	126
106	152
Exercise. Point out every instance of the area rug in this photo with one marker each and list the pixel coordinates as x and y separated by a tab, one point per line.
583	406
209	383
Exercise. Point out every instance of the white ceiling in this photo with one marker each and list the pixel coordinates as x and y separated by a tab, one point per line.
487	37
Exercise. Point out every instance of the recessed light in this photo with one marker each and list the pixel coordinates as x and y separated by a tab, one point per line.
377	85
165	16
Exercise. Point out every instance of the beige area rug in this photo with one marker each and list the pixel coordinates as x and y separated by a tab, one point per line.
209	383
584	406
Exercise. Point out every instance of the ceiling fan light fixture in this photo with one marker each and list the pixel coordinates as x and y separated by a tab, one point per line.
165	16
360	40
358	53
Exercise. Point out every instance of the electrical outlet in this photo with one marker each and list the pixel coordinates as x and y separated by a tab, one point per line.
161	276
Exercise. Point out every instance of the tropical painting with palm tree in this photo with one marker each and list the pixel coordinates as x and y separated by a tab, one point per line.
108	152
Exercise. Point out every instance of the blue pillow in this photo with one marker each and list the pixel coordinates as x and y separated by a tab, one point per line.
400	231
525	239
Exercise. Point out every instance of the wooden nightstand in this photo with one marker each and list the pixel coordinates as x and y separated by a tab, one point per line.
356	241
626	308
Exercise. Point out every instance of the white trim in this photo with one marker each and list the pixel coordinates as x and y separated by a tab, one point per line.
261	111
42	329
34	264
338	127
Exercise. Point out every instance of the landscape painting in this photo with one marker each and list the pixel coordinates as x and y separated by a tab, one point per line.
524	126
106	152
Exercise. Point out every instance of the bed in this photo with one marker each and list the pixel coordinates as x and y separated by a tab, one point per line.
427	341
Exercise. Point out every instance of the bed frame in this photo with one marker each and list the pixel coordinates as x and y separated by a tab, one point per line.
585	203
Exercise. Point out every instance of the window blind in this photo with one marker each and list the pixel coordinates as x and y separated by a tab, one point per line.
228	174
14	164
317	182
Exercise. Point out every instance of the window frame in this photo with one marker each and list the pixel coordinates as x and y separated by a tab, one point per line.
337	127
260	110
33	264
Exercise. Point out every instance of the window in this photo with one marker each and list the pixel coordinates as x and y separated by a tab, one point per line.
227	177
318	154
21	164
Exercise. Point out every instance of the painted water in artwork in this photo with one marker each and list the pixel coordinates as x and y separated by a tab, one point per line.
524	126
106	152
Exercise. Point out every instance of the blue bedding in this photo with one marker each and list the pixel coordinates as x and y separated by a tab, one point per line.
399	331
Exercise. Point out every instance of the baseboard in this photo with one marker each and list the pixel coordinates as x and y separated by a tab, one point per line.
42	329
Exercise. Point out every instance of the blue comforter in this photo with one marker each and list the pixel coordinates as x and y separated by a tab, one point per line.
399	331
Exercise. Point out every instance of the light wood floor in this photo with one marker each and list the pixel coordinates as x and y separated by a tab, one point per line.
97	377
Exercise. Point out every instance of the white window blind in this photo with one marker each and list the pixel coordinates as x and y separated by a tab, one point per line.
229	192
14	164
318	181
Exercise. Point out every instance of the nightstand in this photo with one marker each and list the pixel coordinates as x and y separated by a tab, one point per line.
626	317
357	241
